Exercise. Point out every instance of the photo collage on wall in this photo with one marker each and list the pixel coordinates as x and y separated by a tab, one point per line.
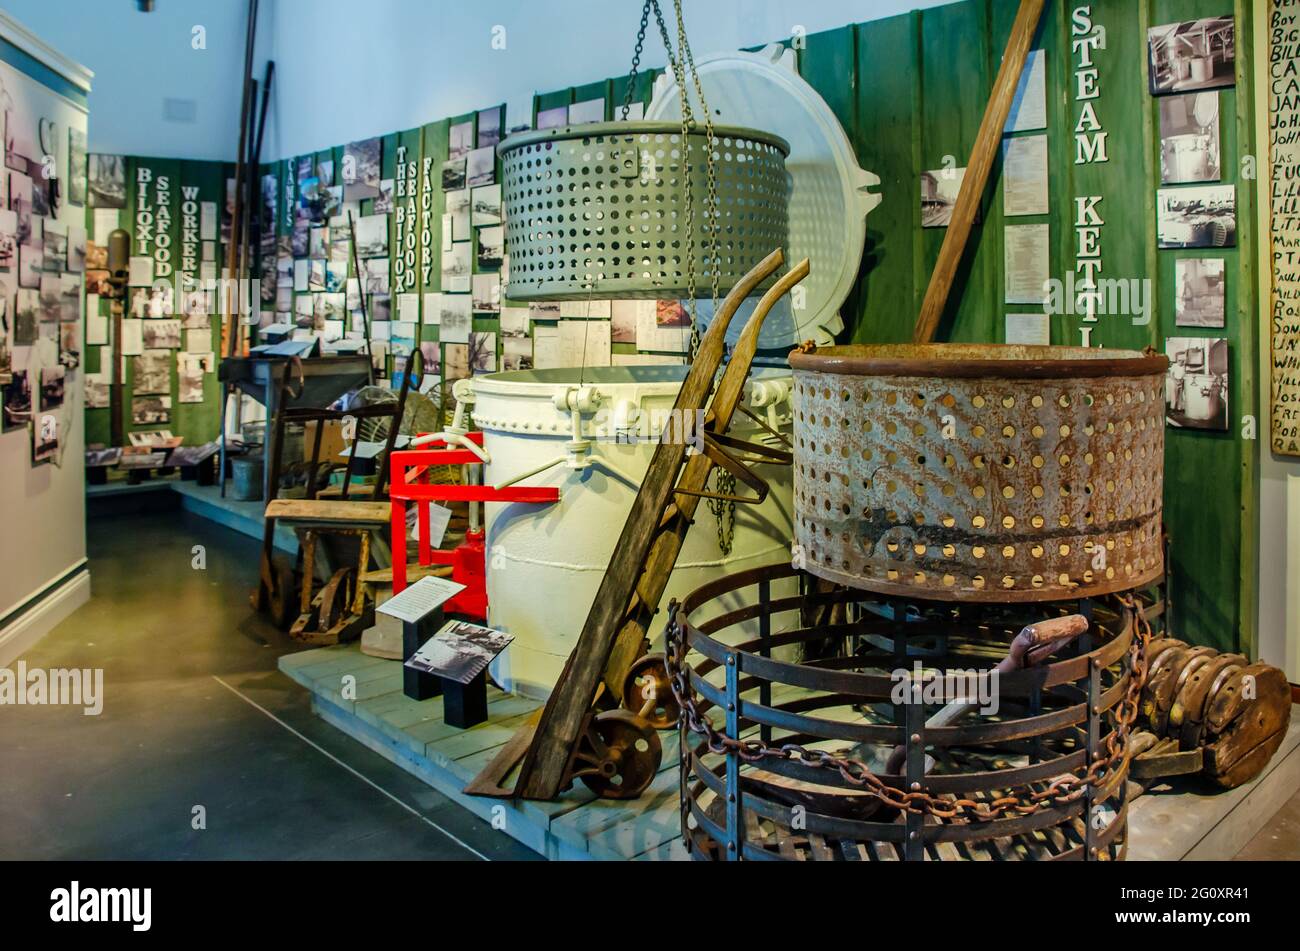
1189	62
325	280
43	267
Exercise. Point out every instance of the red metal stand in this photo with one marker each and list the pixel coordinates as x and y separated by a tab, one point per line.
410	482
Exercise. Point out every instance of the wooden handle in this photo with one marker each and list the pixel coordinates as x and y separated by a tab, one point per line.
1072	625
982	156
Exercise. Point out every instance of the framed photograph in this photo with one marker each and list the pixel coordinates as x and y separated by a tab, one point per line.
460	651
1200	288
52	382
939	190
17	401
480	166
489	127
1196	383
453	175
372	236
455	318
1191	55
151	372
45	438
106	180
460	139
486	293
553	118
1202	216
485	206
362	169
491	248
77	167
150	410
1189	138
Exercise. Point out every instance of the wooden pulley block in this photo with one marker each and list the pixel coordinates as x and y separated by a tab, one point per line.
1158	654
618	755
1164	685
1187	715
1245	722
648	692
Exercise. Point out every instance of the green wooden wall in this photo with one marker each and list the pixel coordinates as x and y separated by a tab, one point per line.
197	422
911	90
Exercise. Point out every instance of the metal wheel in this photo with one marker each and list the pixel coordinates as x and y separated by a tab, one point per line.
648	692
620	755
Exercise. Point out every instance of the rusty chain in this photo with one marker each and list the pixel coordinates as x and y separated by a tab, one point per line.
1062	790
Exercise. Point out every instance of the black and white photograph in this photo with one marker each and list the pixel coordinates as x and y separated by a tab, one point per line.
453	174
17	400
486	293
1191	55
20	203
460	140
150	410
70	298
1189	138
190	371
1197	216
97	393
491	247
515	321
516	353
1200	289
489	127
106	180
456	267
485	205
460	651
939	190
362	169
51	298
372	236
27	314
553	118
162	334
455	318
45	438
480	166
384	200
56	247
77	166
52	382
8	238
1196	383
151	372
457	204
374	276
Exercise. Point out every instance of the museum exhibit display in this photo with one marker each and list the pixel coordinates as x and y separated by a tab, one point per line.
652	431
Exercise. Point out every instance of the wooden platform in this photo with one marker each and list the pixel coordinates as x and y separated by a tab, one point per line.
413	735
1170	825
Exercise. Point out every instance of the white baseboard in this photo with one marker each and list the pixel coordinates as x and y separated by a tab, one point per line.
29	627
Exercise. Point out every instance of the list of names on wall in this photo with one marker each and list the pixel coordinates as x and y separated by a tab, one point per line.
1284	201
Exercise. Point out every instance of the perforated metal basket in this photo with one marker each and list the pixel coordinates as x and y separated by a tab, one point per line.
599	210
980	473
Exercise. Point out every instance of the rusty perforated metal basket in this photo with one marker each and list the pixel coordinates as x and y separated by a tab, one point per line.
599	209
980	473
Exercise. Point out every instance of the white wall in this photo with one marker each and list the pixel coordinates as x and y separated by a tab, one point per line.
42	507
349	69
141	58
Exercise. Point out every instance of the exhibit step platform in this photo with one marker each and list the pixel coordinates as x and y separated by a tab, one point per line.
1172	823
205	501
412	734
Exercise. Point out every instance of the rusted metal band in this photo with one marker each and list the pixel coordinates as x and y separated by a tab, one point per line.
977	361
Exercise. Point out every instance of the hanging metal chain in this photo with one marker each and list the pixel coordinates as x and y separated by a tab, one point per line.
1062	790
724	510
640	48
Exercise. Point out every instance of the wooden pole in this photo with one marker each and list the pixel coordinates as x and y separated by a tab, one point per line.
987	143
233	265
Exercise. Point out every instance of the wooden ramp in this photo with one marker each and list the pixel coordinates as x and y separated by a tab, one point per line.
1185	821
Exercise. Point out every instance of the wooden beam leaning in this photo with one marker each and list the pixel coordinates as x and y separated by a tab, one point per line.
668	541
987	143
543	771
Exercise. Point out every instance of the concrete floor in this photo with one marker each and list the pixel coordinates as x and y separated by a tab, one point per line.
195	714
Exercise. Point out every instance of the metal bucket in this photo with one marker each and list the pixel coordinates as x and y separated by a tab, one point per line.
599	209
247	477
967	472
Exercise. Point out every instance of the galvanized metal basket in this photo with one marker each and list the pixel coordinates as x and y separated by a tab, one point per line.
980	473
599	210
